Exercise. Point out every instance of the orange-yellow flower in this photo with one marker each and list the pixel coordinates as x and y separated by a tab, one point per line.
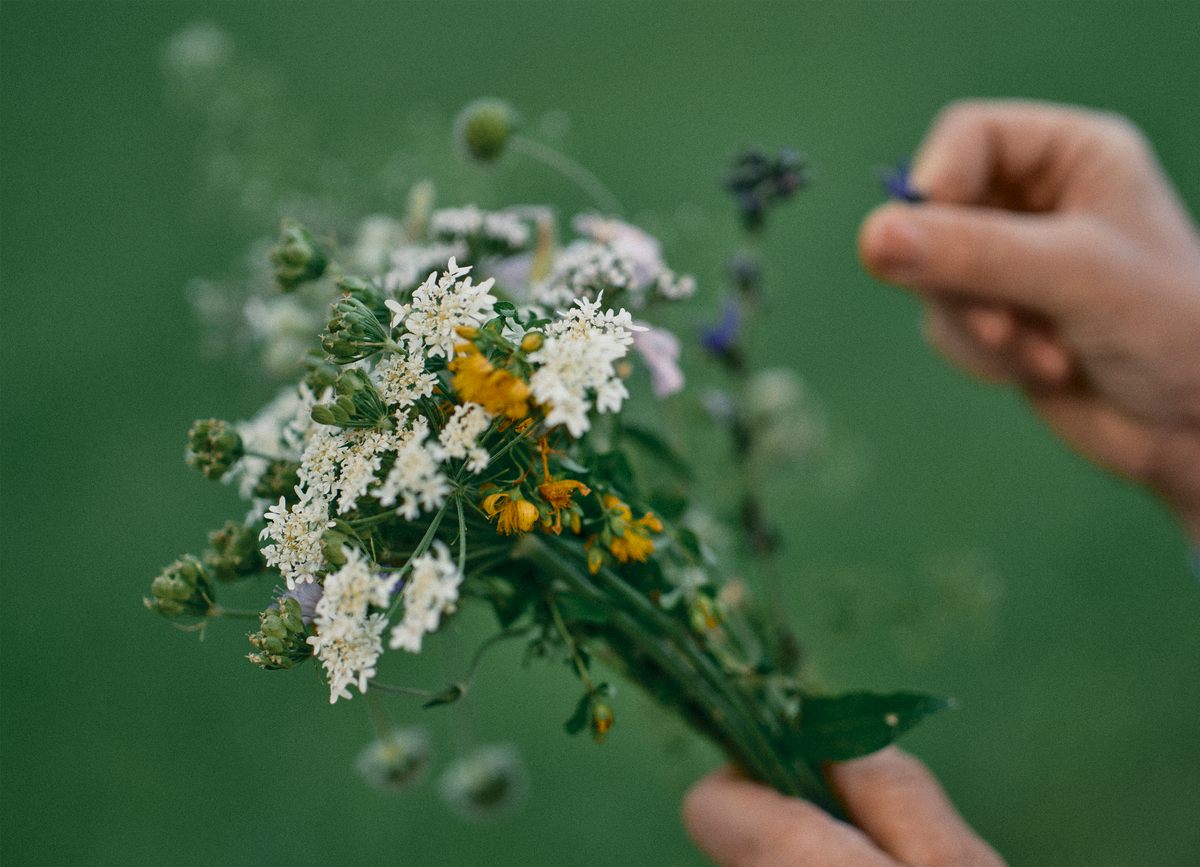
513	514
478	380
631	539
557	494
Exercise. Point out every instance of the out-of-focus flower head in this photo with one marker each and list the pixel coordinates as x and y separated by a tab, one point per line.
397	761
486	783
757	180
483	127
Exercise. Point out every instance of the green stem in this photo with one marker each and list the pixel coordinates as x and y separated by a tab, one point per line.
728	722
571	170
239	613
421	548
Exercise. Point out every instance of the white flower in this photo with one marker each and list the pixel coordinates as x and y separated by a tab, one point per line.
459	437
349	639
378	236
612	255
361	460
471	222
319	464
576	364
430	591
442	305
280	429
295	534
403	380
415	478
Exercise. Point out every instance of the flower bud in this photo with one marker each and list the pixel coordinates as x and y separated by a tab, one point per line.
358	404
213	447
297	257
320	374
397	761
233	552
484	783
602	720
181	590
282	637
532	341
483	128
354	331
279	479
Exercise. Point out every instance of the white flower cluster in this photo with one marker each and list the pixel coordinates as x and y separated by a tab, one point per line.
430	591
459	438
415	478
295	535
612	255
576	366
470	222
402	378
348	640
441	305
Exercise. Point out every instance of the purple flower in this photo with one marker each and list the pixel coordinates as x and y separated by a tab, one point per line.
659	348
308	594
898	186
720	338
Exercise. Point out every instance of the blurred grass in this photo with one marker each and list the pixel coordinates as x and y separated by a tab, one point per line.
126	742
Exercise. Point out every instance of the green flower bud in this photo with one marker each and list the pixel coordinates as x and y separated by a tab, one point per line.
354	330
233	552
396	761
279	479
485	783
483	128
213	447
297	257
358	404
282	638
320	374
182	590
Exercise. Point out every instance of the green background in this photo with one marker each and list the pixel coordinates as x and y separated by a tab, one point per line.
125	741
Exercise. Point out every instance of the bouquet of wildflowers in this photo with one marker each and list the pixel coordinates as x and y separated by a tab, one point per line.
460	437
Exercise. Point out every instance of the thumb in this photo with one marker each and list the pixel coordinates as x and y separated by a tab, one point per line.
1047	264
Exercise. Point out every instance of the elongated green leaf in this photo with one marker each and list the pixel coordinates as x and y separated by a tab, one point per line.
836	728
449	695
579	718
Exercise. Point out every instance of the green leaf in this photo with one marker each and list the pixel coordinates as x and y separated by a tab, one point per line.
835	728
505	308
449	695
658	448
579	719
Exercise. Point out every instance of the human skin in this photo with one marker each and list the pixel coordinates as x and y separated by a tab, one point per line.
1054	255
1051	254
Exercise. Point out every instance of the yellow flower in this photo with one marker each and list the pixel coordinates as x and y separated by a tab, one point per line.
513	515
557	494
631	539
478	380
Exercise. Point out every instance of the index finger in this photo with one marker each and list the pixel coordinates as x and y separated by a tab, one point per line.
1017	154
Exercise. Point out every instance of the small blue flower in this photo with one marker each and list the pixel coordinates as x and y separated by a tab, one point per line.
721	337
898	186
